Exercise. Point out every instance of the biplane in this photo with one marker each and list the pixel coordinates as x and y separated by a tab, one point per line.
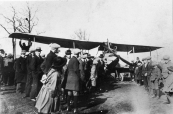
86	45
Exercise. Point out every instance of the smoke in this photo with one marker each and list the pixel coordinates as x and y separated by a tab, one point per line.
143	103
140	100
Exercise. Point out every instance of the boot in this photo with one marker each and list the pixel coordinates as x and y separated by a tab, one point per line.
75	105
153	93
167	100
68	103
158	93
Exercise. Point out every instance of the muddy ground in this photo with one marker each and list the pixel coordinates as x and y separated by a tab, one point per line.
120	98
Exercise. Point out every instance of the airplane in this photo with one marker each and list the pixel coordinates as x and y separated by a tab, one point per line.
87	45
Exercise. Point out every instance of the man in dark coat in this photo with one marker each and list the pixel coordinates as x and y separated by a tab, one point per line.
149	70
46	65
88	65
82	72
101	70
1	66
73	80
36	73
29	72
20	72
145	74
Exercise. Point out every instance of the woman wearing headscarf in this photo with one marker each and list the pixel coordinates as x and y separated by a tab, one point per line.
48	99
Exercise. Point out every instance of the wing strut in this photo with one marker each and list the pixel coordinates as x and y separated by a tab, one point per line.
73	44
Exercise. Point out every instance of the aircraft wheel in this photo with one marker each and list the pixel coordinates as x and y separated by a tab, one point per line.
121	77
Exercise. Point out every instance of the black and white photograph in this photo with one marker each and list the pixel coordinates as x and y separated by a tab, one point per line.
86	57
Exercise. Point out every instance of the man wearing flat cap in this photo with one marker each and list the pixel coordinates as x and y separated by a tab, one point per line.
100	70
1	65
166	62
64	74
149	70
88	66
73	80
45	66
168	86
29	62
36	73
144	73
20	72
154	80
82	63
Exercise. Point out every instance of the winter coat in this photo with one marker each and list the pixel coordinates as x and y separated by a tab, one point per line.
168	85
47	97
155	78
81	69
46	65
1	65
20	70
164	69
93	76
73	75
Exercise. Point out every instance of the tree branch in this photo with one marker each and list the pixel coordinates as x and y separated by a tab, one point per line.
4	28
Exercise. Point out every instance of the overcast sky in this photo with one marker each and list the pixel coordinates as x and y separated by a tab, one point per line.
140	22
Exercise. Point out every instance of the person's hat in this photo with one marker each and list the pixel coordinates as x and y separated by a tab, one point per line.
83	56
166	57
38	49
101	56
143	59
10	55
2	51
148	58
68	52
42	55
76	51
23	52
31	50
170	68
89	56
54	46
59	62
154	63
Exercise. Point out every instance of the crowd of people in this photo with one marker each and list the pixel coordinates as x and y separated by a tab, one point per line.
49	80
52	79
156	77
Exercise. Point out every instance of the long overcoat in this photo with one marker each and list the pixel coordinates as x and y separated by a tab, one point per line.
155	77
20	70
138	73
164	69
45	101
81	69
168	85
46	65
73	75
93	76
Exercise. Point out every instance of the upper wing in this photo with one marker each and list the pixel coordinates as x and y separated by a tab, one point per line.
134	48
87	45
66	43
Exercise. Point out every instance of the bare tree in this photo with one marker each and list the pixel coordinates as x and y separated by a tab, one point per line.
23	22
81	35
